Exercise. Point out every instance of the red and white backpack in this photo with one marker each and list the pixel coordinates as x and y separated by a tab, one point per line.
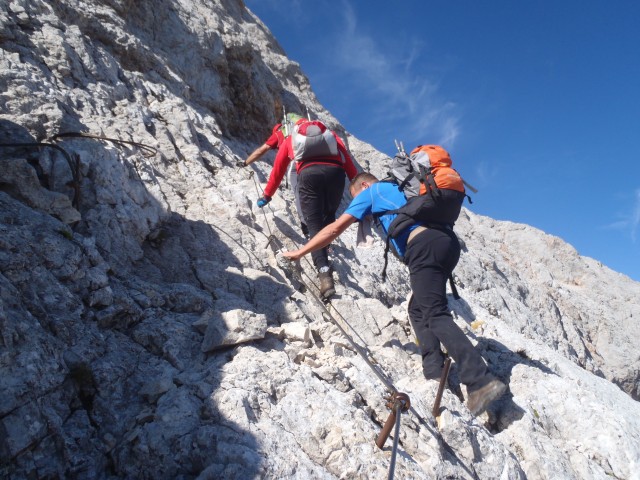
312	140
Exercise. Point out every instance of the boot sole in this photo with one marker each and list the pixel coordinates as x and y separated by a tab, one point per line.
493	394
329	293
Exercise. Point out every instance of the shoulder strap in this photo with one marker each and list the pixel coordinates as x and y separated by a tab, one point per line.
454	290
387	245
406	181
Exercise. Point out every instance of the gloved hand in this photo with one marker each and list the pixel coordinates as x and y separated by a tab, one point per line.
263	201
241	164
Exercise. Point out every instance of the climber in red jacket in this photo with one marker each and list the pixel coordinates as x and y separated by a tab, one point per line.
322	161
277	137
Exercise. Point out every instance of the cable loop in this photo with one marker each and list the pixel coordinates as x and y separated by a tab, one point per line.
148	151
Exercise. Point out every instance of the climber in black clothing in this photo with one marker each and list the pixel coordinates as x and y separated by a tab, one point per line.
431	253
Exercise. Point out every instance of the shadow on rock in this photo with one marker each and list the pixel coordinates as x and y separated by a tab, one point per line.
120	316
501	361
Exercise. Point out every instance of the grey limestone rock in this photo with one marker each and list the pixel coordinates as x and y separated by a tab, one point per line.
147	329
233	327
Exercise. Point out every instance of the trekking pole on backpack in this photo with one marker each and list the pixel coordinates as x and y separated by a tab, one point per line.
308	114
285	121
473	189
400	147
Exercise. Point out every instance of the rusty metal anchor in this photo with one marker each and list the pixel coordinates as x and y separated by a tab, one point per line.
443	382
398	402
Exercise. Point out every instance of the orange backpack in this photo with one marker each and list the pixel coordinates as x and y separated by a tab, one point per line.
433	164
433	189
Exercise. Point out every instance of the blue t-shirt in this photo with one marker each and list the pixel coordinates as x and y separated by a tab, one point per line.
381	197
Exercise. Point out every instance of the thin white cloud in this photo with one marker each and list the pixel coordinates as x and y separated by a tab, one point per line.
485	173
413	55
402	91
629	222
386	73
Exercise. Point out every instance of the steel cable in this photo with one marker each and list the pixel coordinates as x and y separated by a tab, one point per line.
396	434
366	355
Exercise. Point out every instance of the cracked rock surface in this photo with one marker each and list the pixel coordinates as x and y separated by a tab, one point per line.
148	330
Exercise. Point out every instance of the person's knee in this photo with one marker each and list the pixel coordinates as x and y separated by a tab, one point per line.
440	315
434	312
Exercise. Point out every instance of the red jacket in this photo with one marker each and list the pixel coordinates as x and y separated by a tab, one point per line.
276	138
285	154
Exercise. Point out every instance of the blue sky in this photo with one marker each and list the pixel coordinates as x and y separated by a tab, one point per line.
537	102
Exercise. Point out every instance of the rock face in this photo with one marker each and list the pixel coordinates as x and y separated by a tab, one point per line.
147	329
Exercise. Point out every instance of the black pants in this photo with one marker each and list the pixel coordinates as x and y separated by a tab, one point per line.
320	188
431	257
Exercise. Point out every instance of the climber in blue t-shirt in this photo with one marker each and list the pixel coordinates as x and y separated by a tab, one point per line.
431	255
377	198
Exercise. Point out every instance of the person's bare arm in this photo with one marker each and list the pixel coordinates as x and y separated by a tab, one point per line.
323	238
257	153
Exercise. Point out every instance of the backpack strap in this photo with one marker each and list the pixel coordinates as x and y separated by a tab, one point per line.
387	245
324	160
430	182
454	290
434	190
406	181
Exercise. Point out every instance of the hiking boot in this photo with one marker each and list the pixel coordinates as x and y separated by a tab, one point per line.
479	400
327	289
